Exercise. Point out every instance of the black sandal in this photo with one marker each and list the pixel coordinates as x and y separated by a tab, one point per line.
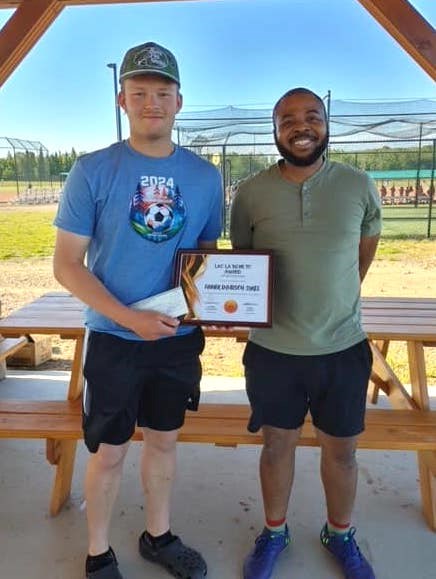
108	572
178	559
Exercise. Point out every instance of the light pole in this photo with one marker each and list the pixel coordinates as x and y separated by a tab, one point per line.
113	66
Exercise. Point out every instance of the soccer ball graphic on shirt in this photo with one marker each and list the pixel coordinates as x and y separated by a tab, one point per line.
158	217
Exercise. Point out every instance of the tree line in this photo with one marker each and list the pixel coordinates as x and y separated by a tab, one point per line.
239	166
41	166
386	158
31	166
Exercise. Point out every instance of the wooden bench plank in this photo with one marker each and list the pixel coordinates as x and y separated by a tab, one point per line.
225	411
393	301
19	406
423	318
377	331
59	422
399	312
223	424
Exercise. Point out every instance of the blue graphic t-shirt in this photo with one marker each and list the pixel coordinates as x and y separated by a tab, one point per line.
138	211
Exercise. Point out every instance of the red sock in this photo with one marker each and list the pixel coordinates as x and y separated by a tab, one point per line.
338	528
277	526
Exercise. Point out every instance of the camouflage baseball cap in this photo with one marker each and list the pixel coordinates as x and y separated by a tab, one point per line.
149	58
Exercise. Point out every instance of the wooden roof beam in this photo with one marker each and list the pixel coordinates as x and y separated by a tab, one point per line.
23	30
16	3
398	17
409	28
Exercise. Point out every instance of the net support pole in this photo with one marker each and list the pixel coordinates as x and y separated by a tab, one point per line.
16	172
224	170
418	169
432	190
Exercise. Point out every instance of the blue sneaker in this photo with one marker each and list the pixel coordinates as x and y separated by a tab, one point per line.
260	561
347	553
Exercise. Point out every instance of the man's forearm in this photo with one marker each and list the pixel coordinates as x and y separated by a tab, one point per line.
77	279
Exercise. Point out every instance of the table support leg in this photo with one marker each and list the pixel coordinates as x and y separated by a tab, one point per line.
426	458
76	381
374	388
427	476
62	454
389	382
418	376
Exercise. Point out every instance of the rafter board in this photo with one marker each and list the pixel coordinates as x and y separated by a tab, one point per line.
398	17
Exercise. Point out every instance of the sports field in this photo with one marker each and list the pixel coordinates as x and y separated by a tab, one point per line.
403	267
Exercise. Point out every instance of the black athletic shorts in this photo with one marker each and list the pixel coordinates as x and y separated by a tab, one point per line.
282	388
131	382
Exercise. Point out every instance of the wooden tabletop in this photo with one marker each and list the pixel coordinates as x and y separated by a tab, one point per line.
384	318
52	313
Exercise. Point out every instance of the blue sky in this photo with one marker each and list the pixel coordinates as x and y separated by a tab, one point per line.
230	52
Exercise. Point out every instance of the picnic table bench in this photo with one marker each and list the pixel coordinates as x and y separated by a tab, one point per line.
9	346
408	425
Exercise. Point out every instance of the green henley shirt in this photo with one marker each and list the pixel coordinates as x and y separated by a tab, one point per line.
314	230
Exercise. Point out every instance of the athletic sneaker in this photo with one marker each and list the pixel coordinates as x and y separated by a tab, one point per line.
178	559
260	562
347	553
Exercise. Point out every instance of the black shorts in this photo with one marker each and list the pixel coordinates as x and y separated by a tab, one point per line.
131	382
282	388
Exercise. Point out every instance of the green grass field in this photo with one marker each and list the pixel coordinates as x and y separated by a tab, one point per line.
26	233
407	221
406	229
406	212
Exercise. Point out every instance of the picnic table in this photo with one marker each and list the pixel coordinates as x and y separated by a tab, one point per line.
409	424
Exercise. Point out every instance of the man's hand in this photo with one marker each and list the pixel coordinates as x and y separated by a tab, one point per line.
150	325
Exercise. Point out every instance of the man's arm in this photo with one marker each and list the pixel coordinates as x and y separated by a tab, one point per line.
241	233
70	271
367	249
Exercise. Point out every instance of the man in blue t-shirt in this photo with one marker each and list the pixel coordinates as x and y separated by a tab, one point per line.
125	212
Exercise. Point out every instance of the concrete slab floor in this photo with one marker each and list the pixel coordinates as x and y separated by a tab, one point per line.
216	507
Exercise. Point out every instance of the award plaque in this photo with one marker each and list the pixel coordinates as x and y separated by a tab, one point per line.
226	287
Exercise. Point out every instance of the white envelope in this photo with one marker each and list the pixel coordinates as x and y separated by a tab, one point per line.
171	302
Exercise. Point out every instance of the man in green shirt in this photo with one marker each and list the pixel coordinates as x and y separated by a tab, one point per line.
322	221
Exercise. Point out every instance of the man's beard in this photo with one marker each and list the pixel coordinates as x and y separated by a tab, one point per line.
305	161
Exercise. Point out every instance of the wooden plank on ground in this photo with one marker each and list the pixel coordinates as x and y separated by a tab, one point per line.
9	346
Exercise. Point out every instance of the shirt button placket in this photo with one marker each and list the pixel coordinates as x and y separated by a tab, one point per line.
307	213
